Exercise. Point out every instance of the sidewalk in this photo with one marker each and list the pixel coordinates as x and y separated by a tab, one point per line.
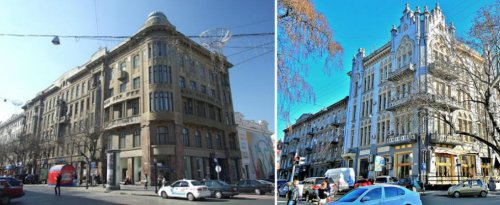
445	193
137	190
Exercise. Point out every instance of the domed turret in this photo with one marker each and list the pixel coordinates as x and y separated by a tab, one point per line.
157	18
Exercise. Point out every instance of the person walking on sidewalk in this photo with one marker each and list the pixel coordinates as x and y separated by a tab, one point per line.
57	189
292	195
145	181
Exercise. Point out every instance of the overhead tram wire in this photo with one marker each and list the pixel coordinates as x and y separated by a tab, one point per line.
252	58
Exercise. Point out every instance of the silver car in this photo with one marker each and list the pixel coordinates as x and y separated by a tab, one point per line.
385	194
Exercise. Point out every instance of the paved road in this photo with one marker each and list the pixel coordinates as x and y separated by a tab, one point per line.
43	195
440	197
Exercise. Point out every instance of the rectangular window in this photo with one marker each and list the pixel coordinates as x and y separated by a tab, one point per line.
185	137
182	82
162	133
197	138
136	83
136	61
137	138
203	89
110	141
193	85
208	139
110	92
123	87
122	140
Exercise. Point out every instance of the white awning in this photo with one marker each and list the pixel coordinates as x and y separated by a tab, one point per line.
449	151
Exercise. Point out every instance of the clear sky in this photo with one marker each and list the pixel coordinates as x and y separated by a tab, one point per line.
30	65
366	24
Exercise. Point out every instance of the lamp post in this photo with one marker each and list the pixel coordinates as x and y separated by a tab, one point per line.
156	174
458	168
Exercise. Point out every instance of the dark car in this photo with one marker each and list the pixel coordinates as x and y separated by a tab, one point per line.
12	181
281	182
220	189
254	186
31	179
9	191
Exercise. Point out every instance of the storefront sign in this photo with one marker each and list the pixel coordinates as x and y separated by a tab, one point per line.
401	139
364	152
383	149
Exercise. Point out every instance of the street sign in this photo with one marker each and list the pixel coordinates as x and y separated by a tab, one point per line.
218	168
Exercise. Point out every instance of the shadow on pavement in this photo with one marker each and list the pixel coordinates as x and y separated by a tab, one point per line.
41	198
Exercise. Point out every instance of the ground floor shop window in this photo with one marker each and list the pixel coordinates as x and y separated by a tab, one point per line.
468	168
485	166
444	167
403	165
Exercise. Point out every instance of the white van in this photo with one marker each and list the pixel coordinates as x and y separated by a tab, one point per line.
342	177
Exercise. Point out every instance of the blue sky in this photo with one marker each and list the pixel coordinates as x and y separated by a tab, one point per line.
30	65
366	24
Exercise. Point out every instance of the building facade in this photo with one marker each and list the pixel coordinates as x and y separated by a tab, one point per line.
10	133
317	137
159	100
396	93
257	148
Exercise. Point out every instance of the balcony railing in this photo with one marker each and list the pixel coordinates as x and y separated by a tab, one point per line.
425	99
446	139
443	70
123	122
401	139
401	72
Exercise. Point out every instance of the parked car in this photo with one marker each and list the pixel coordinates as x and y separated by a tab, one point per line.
9	192
13	182
342	177
220	189
254	186
384	194
410	184
311	184
280	182
362	182
31	179
470	187
282	190
189	189
385	180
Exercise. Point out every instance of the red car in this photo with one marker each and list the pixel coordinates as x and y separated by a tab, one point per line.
8	191
362	182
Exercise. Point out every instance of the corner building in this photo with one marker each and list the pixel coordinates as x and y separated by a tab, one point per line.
163	103
387	115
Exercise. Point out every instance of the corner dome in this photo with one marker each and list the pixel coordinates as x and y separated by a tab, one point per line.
157	18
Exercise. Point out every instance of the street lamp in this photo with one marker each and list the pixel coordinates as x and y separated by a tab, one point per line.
458	168
156	174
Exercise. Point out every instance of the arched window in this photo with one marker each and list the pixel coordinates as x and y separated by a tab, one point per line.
185	137
162	135
136	61
404	53
218	141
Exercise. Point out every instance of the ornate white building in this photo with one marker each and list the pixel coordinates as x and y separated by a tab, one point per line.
394	96
257	146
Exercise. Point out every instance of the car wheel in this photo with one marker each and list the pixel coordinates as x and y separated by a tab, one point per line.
218	195
483	194
5	200
456	194
164	195
190	197
257	191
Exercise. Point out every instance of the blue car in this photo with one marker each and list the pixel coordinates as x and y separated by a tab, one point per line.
282	190
384	194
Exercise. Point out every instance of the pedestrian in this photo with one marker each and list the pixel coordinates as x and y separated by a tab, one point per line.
292	195
492	184
164	182
323	193
57	189
145	181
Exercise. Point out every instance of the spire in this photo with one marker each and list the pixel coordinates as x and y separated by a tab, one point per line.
452	28
407	8
394	30
417	10
426	11
437	6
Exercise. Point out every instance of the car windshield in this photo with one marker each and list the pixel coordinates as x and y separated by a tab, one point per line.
381	180
353	195
12	181
196	183
264	182
319	181
222	183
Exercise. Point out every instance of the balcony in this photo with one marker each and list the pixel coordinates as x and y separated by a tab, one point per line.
446	139
122	122
444	71
440	101
399	103
425	99
401	73
123	76
401	139
310	133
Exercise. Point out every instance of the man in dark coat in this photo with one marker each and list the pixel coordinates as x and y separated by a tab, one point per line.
57	189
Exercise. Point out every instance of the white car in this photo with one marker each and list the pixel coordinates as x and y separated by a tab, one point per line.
380	194
189	189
